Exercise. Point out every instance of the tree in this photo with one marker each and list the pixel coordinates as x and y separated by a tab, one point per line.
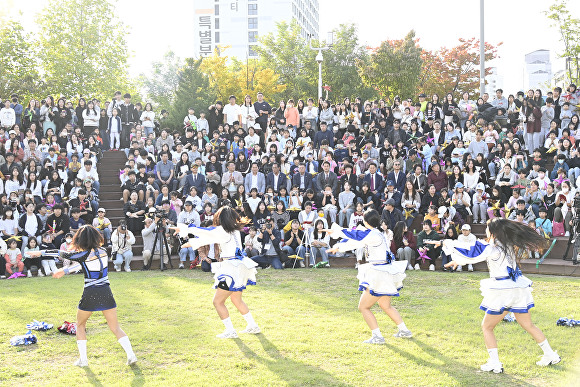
394	67
454	70
18	64
192	90
288	54
222	81
83	49
339	69
251	77
569	29
161	83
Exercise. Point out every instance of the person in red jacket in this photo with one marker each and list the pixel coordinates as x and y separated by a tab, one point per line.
437	177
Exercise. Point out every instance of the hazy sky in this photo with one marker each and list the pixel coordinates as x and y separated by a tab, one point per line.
158	26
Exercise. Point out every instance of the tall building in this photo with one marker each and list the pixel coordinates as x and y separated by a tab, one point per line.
238	23
538	69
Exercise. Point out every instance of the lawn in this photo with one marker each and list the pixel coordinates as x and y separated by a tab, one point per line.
312	333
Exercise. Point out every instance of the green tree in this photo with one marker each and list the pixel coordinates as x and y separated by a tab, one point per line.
288	54
161	82
84	52
569	28
339	69
192	91
394	67
18	64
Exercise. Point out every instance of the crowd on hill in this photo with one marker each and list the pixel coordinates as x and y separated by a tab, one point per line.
431	166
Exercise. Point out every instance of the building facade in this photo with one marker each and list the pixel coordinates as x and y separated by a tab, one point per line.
538	69
493	81
238	23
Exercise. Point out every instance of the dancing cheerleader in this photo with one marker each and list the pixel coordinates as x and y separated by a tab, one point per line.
379	279
233	273
507	290
97	295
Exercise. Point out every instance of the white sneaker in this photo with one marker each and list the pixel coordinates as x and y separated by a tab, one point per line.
417	267
254	330
181	266
567	233
431	267
550	359
39	273
127	269
302	264
2	277
491	366
117	268
470	267
459	268
131	359
228	335
409	267
375	340
80	363
483	222
403	334
29	274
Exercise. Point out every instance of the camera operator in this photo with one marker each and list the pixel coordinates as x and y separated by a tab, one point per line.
187	216
269	236
122	243
148	233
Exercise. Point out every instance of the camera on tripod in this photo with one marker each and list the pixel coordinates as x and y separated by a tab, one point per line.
161	214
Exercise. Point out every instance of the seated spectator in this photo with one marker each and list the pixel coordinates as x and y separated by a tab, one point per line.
404	244
269	237
13	258
451	234
122	241
103	224
134	211
432	252
320	242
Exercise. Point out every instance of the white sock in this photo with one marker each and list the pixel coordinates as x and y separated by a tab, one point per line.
249	319
377	332
402	326
82	345
546	347
126	344
493	354
228	324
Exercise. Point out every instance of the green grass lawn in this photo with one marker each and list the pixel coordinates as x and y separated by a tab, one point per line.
312	333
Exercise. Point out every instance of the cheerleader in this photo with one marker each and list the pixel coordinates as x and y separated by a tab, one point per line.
233	273
379	279
97	295
507	290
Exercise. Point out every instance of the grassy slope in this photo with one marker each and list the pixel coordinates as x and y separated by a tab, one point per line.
312	333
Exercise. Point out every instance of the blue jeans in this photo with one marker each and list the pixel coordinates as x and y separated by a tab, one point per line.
264	260
300	251
147	130
183	253
106	234
319	250
127	256
491	167
342	216
573	174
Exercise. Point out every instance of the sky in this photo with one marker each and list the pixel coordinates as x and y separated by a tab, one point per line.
156	27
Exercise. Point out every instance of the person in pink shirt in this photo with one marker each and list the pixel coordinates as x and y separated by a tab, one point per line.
291	114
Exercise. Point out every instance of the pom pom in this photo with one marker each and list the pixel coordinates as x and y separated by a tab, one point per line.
509	317
68	328
38	326
26	339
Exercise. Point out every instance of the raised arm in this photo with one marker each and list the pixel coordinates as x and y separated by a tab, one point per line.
465	253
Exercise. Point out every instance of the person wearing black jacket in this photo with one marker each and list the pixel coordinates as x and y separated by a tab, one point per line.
215	116
430	198
263	110
58	224
30	224
129	117
391	215
269	236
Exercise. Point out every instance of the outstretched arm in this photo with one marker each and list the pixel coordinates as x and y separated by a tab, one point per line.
464	253
202	236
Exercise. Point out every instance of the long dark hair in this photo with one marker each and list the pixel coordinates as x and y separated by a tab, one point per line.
399	232
229	219
515	236
87	238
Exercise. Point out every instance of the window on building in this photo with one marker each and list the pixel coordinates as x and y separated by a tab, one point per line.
252	50
253	23
217	10
252	9
252	36
217	23
217	37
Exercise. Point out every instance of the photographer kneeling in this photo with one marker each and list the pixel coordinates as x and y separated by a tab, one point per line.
271	252
122	241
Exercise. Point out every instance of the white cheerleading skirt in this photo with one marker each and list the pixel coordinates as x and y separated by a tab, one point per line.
236	273
505	295
382	279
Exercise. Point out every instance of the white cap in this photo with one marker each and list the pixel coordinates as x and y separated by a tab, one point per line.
442	210
466	227
101	210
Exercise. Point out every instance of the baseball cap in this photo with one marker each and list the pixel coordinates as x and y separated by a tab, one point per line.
390	202
459	185
101	210
390	182
188	203
466	227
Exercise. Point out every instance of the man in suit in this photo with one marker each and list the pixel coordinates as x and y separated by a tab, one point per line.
398	177
302	179
326	177
255	179
276	179
195	179
232	176
374	180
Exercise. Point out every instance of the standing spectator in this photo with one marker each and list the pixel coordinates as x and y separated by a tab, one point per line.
148	120
7	116
122	241
232	112
17	108
263	109
90	118
129	117
114	129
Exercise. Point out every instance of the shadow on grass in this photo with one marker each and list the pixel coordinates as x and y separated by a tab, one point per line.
452	367
92	378
138	379
291	371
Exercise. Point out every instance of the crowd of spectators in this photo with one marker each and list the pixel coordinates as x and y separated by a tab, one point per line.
430	166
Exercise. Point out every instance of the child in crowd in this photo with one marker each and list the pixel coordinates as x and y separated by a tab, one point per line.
13	258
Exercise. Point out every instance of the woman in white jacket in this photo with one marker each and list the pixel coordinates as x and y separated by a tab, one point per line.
148	119
91	117
248	113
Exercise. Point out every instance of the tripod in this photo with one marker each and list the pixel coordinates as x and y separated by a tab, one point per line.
163	247
573	240
307	243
